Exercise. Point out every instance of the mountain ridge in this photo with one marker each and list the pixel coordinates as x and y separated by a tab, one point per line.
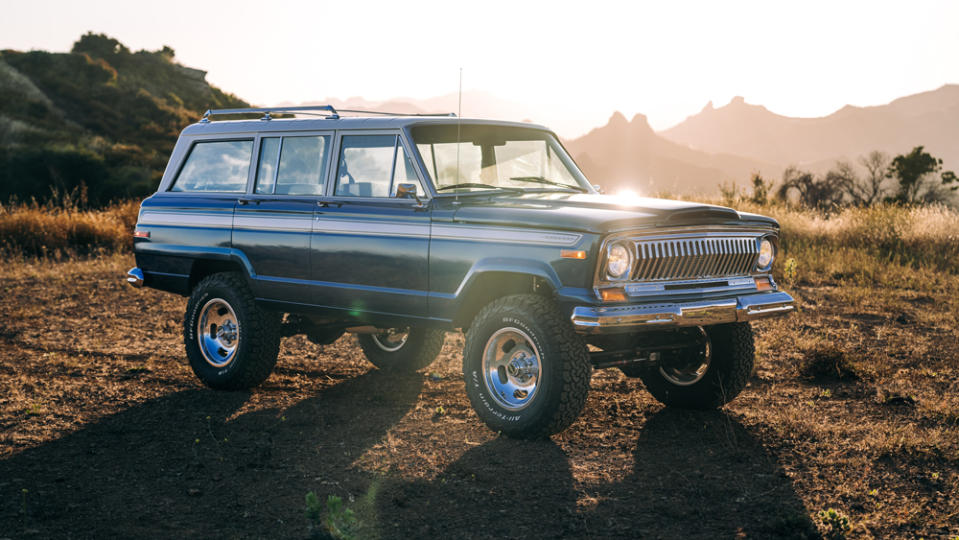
930	119
629	155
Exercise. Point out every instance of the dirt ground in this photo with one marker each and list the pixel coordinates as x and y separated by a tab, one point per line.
104	431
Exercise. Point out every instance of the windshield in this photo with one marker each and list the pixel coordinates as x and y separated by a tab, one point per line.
495	157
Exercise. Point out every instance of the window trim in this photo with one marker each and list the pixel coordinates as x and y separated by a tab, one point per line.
251	186
189	152
428	180
401	139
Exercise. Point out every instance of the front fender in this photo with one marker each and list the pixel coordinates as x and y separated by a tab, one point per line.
493	277
509	265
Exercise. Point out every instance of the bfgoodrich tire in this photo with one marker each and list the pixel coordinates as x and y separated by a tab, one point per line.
713	379
231	342
527	372
402	349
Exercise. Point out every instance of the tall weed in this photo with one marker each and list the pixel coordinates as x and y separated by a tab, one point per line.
64	228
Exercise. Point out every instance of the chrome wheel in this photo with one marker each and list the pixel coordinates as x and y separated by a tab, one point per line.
392	340
692	368
512	368
218	332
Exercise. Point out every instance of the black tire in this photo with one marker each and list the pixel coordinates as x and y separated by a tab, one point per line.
257	334
731	357
421	347
562	382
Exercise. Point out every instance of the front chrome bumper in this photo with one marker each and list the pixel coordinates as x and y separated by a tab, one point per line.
613	319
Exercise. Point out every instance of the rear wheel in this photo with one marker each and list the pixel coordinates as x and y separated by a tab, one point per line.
527	372
230	341
402	349
708	375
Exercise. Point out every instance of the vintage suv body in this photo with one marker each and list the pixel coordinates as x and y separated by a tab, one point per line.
401	228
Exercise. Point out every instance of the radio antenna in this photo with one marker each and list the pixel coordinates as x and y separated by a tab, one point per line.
459	122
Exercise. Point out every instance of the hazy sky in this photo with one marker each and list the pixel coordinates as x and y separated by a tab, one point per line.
579	61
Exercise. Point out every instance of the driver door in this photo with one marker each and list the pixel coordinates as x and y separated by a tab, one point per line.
370	248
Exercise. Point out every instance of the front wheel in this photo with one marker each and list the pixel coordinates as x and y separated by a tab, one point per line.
527	372
402	349
710	374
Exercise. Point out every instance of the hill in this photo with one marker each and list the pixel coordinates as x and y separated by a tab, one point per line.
930	119
100	116
629	155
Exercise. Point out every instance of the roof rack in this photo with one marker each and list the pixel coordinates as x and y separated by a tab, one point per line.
330	113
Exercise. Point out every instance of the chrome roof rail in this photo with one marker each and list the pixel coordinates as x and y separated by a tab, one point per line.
269	111
384	113
330	112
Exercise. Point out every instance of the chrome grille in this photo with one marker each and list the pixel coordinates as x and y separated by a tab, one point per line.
691	258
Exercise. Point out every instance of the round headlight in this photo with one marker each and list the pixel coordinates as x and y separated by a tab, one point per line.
766	254
618	261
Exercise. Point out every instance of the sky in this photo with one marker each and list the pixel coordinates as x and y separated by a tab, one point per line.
571	63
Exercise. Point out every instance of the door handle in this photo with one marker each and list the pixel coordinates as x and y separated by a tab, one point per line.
247	201
325	203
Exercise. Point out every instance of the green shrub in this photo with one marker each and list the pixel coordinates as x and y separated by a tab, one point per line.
835	525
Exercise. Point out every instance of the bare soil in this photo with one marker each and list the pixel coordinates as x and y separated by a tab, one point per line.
104	431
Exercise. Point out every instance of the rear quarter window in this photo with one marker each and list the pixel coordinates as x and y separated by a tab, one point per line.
218	166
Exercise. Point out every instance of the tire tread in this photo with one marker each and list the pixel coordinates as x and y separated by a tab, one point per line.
262	334
572	354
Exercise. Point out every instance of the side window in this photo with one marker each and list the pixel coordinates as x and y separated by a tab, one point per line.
365	166
404	173
266	170
219	166
300	169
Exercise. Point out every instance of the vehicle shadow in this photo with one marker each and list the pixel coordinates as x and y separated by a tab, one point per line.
700	474
501	489
192	464
695	475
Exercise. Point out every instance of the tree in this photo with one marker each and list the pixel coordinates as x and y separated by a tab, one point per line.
914	171
99	45
861	190
843	178
870	191
760	189
823	193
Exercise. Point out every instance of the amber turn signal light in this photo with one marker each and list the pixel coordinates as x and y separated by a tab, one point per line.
572	254
613	295
763	284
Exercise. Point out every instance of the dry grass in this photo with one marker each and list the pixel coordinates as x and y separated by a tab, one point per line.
917	237
60	231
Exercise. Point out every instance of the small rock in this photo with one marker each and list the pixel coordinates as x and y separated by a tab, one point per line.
900	400
904	318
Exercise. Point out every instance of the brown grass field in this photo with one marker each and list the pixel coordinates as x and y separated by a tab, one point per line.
104	431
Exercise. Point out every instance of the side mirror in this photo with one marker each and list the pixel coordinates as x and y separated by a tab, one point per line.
598	188
406	191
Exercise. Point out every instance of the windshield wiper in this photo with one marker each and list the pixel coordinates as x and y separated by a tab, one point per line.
478	185
541	180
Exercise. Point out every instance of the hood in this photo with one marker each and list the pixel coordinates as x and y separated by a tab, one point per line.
596	213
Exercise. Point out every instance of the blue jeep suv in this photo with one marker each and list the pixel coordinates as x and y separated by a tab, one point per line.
402	228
